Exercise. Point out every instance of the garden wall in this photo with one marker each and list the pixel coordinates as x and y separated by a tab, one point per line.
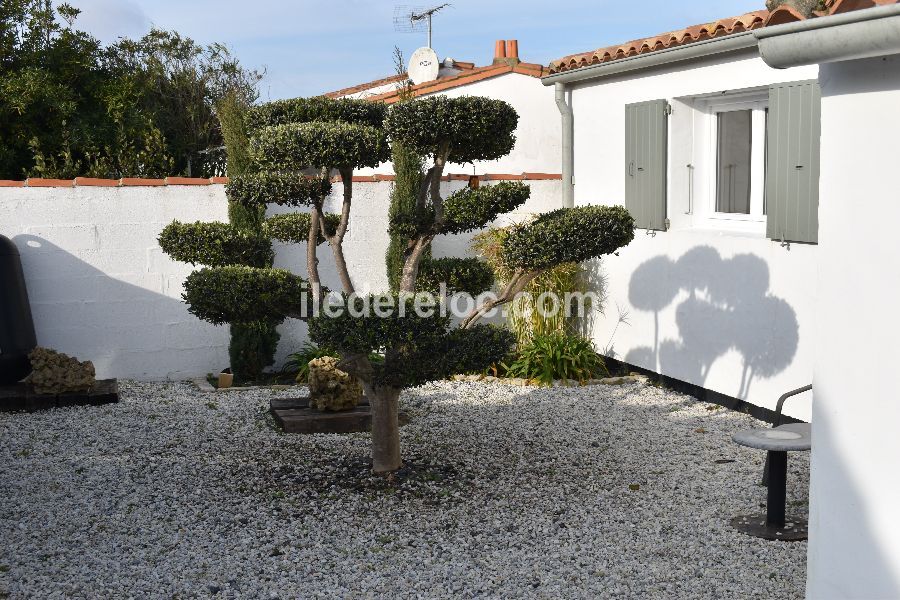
101	288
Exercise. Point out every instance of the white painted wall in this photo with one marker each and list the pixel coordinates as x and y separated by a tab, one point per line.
713	304
101	288
854	546
537	148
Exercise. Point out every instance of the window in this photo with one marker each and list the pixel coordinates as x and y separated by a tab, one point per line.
738	175
728	162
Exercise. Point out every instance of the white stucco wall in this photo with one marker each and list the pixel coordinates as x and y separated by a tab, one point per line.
537	148
724	309
101	289
854	544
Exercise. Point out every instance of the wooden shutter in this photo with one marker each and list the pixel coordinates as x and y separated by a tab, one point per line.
646	145
792	162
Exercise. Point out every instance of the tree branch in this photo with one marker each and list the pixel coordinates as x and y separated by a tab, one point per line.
516	285
336	241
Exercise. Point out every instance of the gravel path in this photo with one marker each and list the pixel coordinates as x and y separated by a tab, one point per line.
508	492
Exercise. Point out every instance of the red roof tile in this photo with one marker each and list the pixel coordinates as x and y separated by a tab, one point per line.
697	33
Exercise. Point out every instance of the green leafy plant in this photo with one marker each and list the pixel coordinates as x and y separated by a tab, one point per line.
297	363
557	356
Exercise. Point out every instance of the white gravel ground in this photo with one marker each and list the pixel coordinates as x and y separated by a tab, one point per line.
510	493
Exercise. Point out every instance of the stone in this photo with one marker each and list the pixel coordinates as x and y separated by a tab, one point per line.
331	389
57	373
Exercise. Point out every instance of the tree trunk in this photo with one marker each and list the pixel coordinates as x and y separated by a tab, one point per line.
385	403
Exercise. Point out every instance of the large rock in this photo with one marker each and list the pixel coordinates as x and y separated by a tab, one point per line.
330	388
57	373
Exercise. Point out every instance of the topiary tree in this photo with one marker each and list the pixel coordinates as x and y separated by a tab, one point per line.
296	145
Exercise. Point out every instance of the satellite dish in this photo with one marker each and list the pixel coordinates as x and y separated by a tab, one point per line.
423	66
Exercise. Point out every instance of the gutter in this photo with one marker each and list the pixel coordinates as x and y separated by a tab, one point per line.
730	43
854	35
568	160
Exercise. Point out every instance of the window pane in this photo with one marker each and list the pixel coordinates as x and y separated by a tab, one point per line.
734	157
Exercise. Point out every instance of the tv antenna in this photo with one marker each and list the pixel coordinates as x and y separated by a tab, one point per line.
413	19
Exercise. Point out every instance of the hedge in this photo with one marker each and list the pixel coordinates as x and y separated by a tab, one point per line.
568	235
215	245
297	146
476	128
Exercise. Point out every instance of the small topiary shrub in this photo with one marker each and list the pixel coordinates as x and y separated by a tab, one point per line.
557	356
468	275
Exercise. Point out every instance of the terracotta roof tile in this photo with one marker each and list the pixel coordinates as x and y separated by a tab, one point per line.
697	33
462	66
465	78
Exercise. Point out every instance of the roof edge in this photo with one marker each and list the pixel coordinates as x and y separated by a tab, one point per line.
731	43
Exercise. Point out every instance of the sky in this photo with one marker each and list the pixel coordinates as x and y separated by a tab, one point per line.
309	47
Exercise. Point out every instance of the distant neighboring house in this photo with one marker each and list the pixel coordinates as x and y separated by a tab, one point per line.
505	78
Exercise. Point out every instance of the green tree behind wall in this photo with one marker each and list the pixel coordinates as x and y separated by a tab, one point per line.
71	107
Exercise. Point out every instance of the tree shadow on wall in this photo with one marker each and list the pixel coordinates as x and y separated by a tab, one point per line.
126	329
728	307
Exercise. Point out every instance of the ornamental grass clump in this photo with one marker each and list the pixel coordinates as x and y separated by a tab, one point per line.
557	357
319	137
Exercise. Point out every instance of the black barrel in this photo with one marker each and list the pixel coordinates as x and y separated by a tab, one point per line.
17	336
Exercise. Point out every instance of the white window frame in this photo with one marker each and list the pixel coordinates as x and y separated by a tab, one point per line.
706	161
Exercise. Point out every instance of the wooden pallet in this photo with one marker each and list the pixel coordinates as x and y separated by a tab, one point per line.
21	396
295	416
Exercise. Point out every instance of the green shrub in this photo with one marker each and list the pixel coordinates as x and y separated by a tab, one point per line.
468	275
557	356
293	228
287	189
252	349
215	245
318	108
240	294
419	348
408	180
476	128
567	235
296	146
469	209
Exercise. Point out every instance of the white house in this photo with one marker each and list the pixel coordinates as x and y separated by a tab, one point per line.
690	130
758	156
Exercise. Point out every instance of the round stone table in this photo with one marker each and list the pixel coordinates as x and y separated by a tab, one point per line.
778	441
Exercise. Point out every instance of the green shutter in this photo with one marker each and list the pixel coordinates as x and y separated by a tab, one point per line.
792	162
646	144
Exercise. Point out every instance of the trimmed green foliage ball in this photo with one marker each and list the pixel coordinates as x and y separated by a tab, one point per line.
215	245
286	189
297	146
470	209
568	235
319	108
293	228
422	348
476	128
238	294
468	275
